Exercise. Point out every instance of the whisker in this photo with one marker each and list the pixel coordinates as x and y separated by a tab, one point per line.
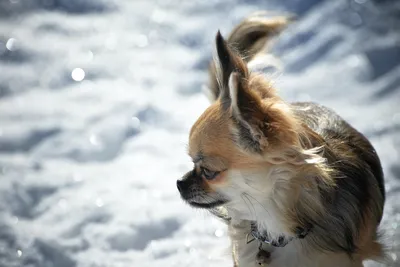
258	203
245	202
254	209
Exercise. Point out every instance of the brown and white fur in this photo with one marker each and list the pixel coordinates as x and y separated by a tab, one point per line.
281	165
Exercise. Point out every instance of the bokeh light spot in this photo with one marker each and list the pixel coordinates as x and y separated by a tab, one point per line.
94	140
99	202
219	233
78	74
135	123
11	44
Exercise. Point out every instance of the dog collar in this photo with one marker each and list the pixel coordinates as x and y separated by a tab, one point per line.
262	237
282	241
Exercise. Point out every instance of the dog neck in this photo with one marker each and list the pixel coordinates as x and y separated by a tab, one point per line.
261	199
270	198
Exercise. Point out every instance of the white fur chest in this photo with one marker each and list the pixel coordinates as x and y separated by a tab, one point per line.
253	198
257	200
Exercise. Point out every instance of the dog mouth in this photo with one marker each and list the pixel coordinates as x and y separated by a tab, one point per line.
195	196
206	205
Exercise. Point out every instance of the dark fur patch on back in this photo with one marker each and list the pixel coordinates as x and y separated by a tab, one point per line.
358	176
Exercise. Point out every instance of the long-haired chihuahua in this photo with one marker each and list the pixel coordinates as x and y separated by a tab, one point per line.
296	184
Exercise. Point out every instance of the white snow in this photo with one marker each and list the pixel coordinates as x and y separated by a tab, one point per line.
97	98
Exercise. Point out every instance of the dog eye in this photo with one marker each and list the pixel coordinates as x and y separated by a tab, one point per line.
207	174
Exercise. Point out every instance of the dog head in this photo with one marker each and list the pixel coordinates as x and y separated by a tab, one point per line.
238	142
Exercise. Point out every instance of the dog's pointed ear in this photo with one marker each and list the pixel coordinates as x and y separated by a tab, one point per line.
227	61
255	117
249	114
236	97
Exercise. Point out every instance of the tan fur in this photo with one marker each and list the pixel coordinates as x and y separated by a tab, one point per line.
211	137
295	160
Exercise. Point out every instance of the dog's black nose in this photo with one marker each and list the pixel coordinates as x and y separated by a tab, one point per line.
181	185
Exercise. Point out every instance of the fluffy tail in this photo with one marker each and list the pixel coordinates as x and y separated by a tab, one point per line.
250	37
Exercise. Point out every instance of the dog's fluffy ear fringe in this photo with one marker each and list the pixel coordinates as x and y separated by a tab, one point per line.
297	156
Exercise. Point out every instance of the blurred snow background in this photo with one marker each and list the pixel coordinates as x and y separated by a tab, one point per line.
97	98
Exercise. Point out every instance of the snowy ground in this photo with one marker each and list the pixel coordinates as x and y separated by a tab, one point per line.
97	98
